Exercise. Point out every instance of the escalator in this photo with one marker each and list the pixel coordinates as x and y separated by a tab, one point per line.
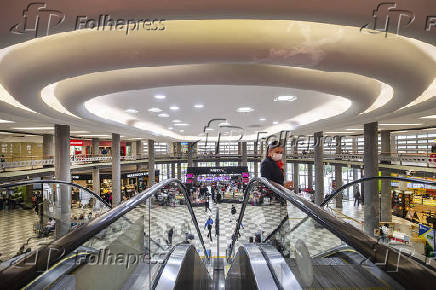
143	245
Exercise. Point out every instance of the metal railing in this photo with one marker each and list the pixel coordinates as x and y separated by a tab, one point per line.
409	272
31	266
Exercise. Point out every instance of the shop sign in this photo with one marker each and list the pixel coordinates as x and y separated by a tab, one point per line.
76	142
427	234
138	174
217	170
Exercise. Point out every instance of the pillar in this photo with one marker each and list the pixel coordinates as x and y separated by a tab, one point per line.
48	146
63	173
256	163
151	169
370	163
239	153
338	171
95	149
190	154
244	157
386	192
116	170
179	170
310	176
173	170
296	169
319	167
168	171
96	180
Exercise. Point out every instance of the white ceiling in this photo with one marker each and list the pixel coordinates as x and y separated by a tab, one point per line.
343	77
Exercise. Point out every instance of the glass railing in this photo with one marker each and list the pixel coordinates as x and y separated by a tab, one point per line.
303	231
126	243
30	213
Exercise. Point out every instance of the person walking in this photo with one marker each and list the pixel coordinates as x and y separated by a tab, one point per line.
209	224
206	204
233	212
170	236
357	197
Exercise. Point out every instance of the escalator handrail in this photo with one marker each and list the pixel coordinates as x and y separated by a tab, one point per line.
21	183
407	179
410	270
32	265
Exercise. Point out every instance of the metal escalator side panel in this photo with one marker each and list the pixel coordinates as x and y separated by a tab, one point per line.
184	270
250	270
280	269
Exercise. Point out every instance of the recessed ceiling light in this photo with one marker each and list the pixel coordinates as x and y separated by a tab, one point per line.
354	129
181	124
181	131
79	132
400	124
275	123
6	133
170	128
131	111
198	106
262	119
174	108
224	124
210	129
155	110
163	115
429	117
5	121
245	110
176	121
159	97
285	99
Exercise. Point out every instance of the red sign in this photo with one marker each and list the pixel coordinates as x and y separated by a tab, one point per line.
76	142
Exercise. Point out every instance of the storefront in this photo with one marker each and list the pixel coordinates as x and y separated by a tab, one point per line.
131	182
217	174
82	147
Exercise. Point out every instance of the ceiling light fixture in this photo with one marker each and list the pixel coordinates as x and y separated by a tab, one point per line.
285	99
170	128
160	97
155	110
199	106
131	111
176	121
163	115
174	108
245	110
5	121
224	124
339	132
181	131
354	129
429	117
262	119
181	124
210	129
275	123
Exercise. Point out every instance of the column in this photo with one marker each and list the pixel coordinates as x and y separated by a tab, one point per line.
168	170
151	169
179	170
310	176
239	154
386	191
370	163
173	170
116	170
47	148
256	163
296	169
95	144
319	167
244	157
338	171
63	173
96	180
190	153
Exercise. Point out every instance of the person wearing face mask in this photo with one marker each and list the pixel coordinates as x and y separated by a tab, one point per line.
272	167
